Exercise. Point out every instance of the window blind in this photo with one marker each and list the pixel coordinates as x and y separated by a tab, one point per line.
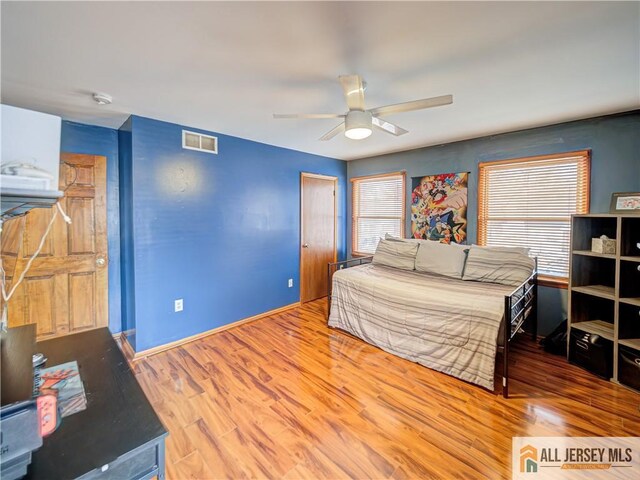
529	202
377	209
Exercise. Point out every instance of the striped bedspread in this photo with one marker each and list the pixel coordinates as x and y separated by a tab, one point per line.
445	324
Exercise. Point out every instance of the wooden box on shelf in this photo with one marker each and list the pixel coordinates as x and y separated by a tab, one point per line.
603	245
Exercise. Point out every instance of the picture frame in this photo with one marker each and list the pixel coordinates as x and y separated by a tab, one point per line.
439	207
625	202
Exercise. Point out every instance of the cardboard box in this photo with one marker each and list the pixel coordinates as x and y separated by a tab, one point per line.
599	245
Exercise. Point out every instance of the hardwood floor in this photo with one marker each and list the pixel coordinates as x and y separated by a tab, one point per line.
287	397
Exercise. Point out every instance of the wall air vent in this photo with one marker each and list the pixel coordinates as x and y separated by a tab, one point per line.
199	142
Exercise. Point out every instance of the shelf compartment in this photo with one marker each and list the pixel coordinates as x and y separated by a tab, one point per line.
588	227
602	291
591	351
629	279
630	239
597	327
592	314
629	363
628	321
589	253
587	270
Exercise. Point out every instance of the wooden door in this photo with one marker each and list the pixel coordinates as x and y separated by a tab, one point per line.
66	289
318	234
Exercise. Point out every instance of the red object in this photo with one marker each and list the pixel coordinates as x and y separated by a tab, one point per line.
48	413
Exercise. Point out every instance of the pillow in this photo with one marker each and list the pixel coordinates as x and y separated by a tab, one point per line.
505	265
396	254
388	236
441	258
522	250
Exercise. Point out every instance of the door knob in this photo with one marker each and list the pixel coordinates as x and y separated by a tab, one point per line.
306	245
100	261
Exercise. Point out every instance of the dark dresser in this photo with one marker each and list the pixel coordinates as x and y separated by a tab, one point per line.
118	436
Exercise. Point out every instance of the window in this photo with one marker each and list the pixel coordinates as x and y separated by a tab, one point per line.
378	208
528	202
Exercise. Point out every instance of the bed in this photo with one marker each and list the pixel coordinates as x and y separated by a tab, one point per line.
451	325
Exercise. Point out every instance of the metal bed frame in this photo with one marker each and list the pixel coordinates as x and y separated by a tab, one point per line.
520	305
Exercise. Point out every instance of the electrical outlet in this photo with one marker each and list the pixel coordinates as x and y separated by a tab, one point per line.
178	305
290	282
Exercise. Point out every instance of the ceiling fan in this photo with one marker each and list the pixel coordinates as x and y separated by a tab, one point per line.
358	122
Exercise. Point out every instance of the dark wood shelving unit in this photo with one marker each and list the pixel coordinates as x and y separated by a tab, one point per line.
604	289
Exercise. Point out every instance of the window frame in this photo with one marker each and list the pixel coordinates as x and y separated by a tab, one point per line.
354	218
543	279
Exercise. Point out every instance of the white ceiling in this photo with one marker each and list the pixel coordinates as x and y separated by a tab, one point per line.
227	67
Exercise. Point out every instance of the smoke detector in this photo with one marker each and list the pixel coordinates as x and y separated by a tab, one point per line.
102	98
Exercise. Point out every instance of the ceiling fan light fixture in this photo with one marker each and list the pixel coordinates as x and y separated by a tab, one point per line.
357	125
357	133
358	121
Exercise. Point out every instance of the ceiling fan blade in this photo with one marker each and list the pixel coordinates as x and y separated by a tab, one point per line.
308	115
414	105
333	132
388	127
353	89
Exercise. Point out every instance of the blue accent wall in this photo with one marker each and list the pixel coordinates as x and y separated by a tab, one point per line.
615	167
126	229
220	231
92	140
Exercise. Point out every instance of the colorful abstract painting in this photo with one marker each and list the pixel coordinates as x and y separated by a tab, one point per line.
439	208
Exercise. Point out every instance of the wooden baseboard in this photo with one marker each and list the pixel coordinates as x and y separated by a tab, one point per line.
126	348
167	346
